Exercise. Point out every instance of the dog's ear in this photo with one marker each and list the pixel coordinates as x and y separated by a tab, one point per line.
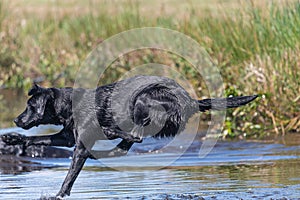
43	99
35	89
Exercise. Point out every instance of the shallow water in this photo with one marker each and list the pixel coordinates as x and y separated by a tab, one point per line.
232	170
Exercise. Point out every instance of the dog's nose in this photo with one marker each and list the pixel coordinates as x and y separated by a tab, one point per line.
16	120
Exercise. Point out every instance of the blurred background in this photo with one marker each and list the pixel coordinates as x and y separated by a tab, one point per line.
255	44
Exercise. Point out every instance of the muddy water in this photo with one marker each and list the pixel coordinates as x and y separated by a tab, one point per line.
232	170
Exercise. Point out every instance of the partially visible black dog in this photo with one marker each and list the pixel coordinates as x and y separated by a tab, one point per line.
119	110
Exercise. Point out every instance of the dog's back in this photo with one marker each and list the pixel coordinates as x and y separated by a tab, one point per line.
158	104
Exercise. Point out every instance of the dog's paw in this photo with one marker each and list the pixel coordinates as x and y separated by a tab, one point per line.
137	139
136	134
50	198
13	138
131	138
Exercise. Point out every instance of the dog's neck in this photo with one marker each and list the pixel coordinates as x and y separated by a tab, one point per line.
63	105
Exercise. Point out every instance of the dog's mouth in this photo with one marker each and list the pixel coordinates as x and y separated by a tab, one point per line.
27	126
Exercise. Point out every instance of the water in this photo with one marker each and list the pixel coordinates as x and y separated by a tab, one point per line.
232	170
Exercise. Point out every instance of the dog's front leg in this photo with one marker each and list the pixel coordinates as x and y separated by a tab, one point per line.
79	157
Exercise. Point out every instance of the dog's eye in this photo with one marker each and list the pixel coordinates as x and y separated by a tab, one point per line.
32	108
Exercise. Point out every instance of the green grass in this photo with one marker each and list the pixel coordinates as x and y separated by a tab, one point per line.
256	47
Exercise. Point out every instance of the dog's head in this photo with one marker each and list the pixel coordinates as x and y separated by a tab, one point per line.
37	110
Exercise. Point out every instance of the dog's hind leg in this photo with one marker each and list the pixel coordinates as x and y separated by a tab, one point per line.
114	134
63	138
79	157
120	150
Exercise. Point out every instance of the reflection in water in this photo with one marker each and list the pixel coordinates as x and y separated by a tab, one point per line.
210	182
18	165
233	170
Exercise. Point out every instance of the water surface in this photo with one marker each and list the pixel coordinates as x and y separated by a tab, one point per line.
232	170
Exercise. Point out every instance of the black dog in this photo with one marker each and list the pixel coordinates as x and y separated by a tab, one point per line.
125	109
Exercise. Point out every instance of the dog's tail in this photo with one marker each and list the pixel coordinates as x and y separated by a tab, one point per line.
223	103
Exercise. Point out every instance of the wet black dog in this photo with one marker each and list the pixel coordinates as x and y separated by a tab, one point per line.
124	109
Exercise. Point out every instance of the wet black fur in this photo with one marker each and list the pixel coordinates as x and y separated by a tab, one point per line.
54	106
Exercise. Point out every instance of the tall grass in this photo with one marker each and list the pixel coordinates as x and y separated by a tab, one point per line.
257	49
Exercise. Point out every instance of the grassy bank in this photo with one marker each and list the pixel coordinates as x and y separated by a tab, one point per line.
256	46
